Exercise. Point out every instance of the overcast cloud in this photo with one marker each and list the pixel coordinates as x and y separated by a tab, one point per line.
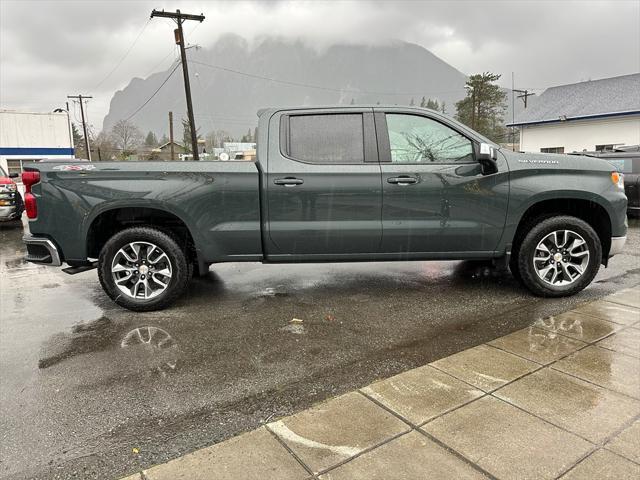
51	49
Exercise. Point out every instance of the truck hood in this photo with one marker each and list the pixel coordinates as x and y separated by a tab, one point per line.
5	181
555	161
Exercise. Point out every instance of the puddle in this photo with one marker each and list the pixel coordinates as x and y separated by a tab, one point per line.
152	347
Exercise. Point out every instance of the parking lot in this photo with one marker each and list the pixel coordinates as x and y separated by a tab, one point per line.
90	390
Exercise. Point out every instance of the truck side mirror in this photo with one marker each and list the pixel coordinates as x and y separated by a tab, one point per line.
14	175
488	158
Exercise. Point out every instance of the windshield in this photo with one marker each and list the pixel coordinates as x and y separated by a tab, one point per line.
2	172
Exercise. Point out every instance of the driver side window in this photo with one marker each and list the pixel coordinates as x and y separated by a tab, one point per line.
416	139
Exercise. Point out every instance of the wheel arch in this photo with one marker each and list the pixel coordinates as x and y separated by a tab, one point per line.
113	220
587	209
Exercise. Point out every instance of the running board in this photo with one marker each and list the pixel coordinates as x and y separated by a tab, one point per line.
80	269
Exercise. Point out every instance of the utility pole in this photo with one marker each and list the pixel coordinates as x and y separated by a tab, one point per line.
84	123
524	96
513	115
179	18
173	153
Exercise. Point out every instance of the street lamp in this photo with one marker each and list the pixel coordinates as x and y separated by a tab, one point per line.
66	110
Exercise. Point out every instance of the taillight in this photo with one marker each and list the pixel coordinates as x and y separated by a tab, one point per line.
29	179
30	206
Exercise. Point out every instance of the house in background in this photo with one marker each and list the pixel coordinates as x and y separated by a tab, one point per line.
588	116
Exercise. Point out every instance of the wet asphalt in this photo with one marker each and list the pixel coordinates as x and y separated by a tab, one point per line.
90	390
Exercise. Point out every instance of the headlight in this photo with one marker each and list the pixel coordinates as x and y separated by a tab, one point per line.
8	187
618	179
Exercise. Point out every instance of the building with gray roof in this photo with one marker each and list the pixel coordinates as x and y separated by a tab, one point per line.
586	116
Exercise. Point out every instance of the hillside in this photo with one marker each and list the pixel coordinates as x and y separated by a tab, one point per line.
391	74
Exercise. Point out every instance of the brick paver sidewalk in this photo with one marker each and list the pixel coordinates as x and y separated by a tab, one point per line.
559	399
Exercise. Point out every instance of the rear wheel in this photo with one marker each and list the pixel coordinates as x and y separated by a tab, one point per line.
559	256
143	269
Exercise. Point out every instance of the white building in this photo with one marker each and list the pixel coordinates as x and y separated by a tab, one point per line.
26	136
586	116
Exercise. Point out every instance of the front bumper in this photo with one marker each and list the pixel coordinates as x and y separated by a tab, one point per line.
617	244
42	251
9	213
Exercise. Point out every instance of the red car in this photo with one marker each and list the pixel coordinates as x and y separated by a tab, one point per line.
11	204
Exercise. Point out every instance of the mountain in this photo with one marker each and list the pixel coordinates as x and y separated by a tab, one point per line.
389	74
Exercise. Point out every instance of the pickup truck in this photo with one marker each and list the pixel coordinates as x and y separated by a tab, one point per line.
11	206
330	184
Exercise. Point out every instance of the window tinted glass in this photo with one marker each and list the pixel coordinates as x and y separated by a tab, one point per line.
415	139
326	138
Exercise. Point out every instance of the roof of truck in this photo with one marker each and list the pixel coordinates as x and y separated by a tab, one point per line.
343	107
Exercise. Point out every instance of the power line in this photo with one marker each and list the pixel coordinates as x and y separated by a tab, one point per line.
154	93
318	87
161	62
126	54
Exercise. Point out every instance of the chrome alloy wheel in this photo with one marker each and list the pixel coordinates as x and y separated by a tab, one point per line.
561	258
141	270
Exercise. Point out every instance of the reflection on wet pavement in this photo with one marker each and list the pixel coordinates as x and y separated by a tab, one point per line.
578	326
538	345
153	347
606	368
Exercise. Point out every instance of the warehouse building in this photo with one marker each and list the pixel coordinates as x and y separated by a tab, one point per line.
26	137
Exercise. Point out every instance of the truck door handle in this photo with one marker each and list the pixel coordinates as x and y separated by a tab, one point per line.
289	181
402	180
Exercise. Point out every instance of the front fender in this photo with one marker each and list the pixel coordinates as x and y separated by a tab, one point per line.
529	188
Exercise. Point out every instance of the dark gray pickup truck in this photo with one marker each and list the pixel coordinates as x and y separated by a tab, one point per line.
338	184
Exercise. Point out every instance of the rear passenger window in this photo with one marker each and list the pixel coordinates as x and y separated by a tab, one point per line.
329	138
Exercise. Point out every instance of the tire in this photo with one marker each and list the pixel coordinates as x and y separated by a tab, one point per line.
550	266
164	268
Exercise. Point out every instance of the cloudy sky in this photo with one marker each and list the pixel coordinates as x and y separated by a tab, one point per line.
52	48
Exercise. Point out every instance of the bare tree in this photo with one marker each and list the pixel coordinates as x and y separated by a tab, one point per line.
125	136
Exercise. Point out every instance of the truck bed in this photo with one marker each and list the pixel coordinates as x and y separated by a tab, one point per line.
219	203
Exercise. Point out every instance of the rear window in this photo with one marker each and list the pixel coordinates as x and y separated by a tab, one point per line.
328	138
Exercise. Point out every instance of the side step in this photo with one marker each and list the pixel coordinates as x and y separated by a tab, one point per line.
80	269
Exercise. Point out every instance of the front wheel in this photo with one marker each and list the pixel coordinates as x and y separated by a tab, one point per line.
143	269
559	256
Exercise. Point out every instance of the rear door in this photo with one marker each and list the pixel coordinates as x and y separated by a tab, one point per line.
323	184
435	196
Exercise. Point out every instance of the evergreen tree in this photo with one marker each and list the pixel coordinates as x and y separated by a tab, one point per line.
423	102
78	142
151	140
186	135
412	103
483	107
433	105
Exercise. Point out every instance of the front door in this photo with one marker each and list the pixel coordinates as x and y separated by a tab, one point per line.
323	184
435	196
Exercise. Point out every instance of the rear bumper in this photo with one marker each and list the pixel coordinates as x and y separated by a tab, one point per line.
42	251
617	244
